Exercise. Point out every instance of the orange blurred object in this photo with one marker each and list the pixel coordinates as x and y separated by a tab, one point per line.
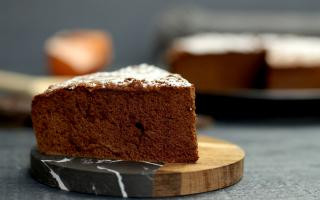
78	52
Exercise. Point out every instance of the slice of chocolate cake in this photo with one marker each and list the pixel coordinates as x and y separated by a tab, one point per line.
217	61
293	61
137	113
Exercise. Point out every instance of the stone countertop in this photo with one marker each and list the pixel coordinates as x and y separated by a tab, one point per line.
282	162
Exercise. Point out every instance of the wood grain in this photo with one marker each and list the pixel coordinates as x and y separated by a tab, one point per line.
220	165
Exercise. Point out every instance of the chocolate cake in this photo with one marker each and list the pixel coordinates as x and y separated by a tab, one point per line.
136	113
293	61
217	61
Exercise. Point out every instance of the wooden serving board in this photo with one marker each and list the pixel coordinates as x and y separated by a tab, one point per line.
220	165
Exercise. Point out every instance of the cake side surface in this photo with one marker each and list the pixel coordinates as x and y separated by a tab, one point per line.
218	62
291	51
293	78
153	122
293	61
220	73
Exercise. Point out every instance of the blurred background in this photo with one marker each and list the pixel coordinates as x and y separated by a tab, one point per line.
142	31
277	124
134	25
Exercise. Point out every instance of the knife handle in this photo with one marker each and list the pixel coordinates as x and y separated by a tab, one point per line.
24	84
14	82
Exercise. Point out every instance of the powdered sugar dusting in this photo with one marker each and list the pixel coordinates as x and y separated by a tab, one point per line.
143	75
206	43
287	51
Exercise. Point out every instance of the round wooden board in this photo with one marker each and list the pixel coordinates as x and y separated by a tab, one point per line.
220	165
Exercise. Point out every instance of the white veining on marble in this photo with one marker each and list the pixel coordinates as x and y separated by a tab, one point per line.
55	175
107	161
119	177
151	163
87	161
90	161
94	189
61	161
147	175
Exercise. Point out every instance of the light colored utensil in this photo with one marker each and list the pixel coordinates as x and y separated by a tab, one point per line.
24	84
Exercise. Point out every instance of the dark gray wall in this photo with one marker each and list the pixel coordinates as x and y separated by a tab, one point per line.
25	24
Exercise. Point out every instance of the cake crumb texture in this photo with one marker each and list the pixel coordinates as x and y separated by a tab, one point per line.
106	116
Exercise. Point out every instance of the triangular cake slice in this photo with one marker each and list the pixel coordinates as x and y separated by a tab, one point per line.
139	113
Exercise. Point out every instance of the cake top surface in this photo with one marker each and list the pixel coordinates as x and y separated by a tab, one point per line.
139	76
291	51
208	43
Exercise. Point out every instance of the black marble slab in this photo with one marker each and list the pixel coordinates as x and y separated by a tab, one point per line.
94	176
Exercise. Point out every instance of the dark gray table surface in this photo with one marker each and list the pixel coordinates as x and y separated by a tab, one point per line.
282	162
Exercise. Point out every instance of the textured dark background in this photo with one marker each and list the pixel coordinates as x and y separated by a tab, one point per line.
24	25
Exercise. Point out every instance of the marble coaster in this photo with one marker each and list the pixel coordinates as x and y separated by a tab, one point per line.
100	177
